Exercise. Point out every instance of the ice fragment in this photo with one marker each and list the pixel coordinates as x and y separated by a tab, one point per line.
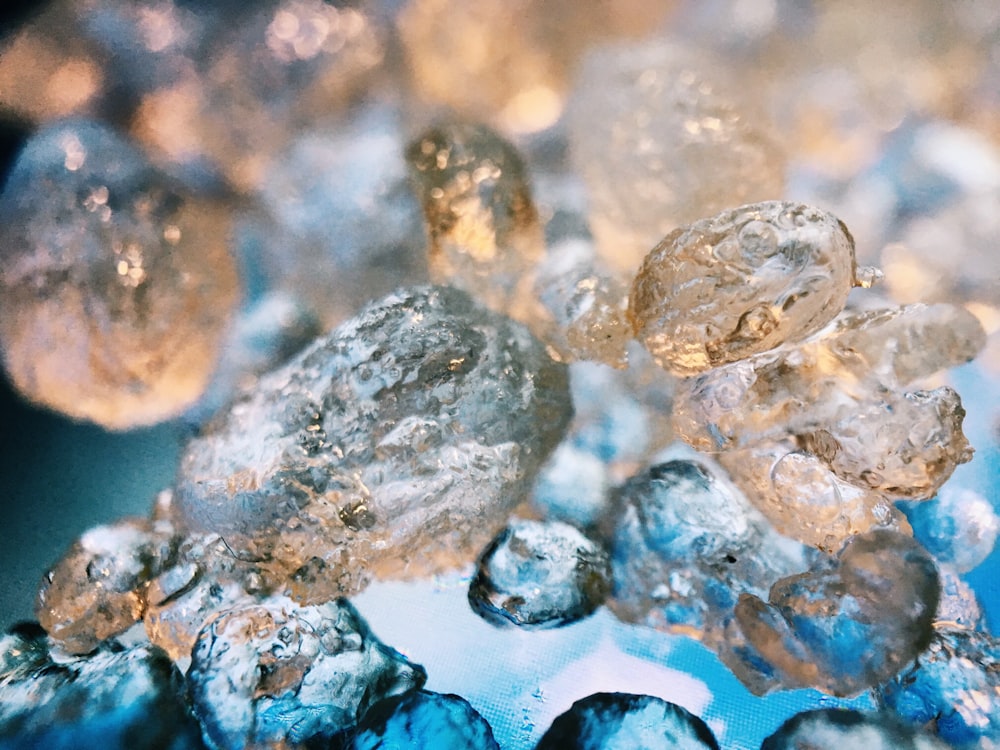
605	721
958	527
847	729
539	574
275	673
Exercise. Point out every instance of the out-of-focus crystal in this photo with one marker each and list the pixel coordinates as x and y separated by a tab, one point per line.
804	499
396	445
958	607
958	527
851	622
844	728
605	721
740	283
539	574
96	590
421	719
116	288
685	544
276	673
484	232
118	697
660	144
954	686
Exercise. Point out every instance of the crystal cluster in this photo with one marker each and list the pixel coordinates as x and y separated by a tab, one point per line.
116	286
395	445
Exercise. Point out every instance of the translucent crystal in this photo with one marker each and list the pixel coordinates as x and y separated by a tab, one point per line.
484	231
605	721
843	729
421	719
117	289
850	622
587	305
955	686
958	527
117	698
839	394
396	445
958	607
804	499
740	283
96	590
342	226
685	544
539	574
276	673
660	143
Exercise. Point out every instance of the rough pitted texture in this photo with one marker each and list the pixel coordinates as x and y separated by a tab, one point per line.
846	729
850	622
422	720
606	721
740	283
116	289
956	685
685	544
117	698
484	232
842	395
97	589
660	144
804	498
394	446
539	574
274	673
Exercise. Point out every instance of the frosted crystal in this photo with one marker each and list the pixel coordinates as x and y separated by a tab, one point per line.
958	527
605	721
572	486
958	607
343	226
117	288
276	673
850	622
740	283
685	544
587	304
841	395
846	729
117	698
396	445
660	143
484	233
96	590
955	687
421	719
804	499
539	574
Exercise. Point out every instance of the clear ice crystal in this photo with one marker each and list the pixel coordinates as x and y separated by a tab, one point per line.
116	698
605	721
842	395
274	673
394	446
955	687
485	236
850	622
539	574
684	546
96	590
847	729
959	526
660	144
116	288
740	283
422	719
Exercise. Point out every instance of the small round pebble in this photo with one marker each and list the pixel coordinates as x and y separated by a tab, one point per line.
422	720
539	574
620	721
